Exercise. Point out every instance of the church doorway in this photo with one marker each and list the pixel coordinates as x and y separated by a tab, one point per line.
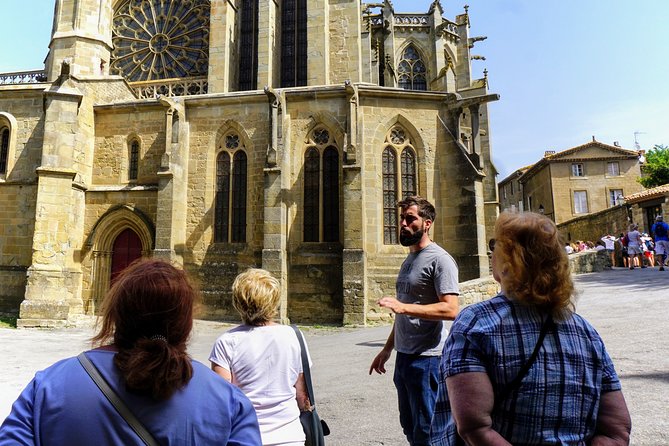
126	249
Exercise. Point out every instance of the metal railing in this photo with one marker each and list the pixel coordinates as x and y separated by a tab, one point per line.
23	77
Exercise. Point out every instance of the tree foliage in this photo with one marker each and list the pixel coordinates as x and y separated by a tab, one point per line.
655	171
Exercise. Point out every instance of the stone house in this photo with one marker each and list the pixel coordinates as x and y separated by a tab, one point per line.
226	134
511	191
644	206
575	182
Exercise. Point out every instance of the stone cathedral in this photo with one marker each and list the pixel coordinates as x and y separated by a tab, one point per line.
227	134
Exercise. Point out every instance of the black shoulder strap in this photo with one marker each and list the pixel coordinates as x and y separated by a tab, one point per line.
305	366
548	323
116	401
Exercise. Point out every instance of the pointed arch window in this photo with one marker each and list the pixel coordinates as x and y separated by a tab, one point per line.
4	149
411	70
133	164
248	46
293	43
231	181
321	188
394	185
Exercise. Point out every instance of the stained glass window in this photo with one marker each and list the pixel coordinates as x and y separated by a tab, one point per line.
311	194
134	160
160	39
397	142
239	197
389	196
411	71
293	43
222	197
248	46
231	192
321	188
330	195
408	173
4	149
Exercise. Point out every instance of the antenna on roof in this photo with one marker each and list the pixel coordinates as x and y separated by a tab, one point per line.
637	146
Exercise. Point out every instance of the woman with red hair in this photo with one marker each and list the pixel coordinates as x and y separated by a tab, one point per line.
522	368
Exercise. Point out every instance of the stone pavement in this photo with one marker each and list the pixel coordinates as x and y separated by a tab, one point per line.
628	308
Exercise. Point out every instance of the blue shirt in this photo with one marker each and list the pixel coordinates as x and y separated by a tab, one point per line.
62	405
660	230
558	400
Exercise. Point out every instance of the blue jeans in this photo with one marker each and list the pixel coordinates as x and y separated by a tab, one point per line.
417	381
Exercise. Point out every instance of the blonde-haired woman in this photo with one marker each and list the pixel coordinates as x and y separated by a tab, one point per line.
263	359
522	368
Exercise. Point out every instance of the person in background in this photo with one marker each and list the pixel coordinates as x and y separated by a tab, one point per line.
568	249
648	247
622	239
660	233
570	393
609	243
263	358
141	352
427	294
634	246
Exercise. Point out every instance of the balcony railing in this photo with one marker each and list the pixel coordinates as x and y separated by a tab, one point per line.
23	77
170	87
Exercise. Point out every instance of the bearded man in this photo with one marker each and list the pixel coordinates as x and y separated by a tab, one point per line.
426	295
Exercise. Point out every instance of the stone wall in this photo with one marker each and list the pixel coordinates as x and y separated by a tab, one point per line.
594	226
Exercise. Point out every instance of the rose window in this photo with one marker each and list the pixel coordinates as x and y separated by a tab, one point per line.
160	39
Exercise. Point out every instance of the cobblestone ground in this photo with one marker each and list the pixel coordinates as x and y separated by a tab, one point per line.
628	308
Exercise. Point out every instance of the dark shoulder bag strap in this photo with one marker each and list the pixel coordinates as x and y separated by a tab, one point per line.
305	366
116	401
548	323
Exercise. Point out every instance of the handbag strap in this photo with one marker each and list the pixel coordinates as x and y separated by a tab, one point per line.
548	323
305	366
116	401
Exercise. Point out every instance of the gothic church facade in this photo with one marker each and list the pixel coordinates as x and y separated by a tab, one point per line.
227	134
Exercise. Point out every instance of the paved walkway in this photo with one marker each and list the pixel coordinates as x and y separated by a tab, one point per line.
628	308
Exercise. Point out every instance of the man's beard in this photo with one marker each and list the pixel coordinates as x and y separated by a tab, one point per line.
410	239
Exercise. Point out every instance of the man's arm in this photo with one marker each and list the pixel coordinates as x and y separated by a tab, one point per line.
472	400
379	362
446	309
613	421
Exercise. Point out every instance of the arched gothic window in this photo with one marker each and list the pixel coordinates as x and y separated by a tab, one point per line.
133	162
248	46
293	43
4	149
231	178
321	188
394	186
158	39
411	70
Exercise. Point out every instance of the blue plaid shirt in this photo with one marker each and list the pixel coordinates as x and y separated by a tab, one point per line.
557	401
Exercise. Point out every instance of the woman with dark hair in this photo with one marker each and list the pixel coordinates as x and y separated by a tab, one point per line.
147	320
522	368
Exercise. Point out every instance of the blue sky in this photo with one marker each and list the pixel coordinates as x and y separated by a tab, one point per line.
565	69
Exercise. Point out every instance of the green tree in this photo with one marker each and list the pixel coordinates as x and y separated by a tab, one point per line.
655	171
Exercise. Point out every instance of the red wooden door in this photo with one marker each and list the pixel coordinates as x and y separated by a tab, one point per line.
127	248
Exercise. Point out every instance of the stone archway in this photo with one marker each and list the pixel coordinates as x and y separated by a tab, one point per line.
112	225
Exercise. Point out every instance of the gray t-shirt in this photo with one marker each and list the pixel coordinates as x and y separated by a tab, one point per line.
423	277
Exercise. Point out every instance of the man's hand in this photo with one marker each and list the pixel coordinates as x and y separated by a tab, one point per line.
392	304
379	362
